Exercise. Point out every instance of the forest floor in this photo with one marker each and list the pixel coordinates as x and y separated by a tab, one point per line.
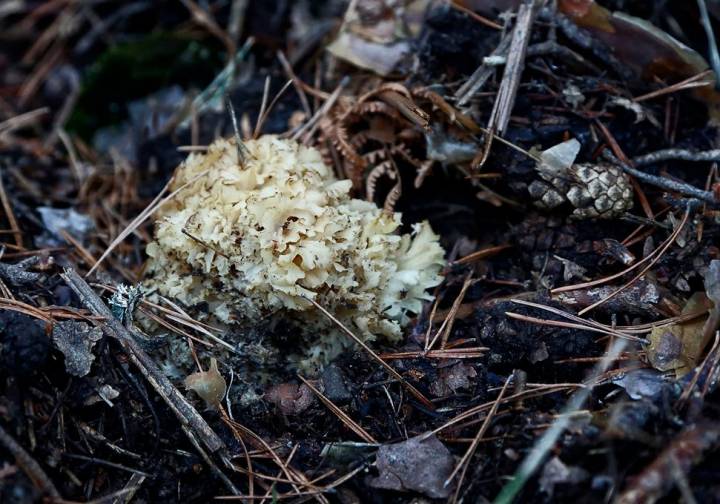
566	152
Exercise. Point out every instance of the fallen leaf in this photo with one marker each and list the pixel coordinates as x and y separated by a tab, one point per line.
209	385
678	346
453	378
377	35
420	465
556	472
290	398
76	340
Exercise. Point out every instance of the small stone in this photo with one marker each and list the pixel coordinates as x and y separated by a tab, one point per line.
334	387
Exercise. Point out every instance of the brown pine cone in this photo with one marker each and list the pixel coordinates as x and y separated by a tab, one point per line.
595	190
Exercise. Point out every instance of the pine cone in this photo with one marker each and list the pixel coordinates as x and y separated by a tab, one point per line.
595	190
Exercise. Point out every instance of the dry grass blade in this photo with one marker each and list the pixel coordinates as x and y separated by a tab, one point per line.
205	19
270	490
312	493
187	320
144	215
449	353
309	127
344	418
259	441
568	325
84	253
477	17
415	392
525	394
479	255
265	111
710	362
19	306
296	82
658	251
447	324
167	325
580	323
670	241
689	83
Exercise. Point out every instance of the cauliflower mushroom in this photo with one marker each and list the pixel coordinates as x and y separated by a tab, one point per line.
264	236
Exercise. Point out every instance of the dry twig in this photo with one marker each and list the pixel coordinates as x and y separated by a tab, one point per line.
415	392
344	418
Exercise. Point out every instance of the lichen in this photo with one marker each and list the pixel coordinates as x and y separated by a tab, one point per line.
265	237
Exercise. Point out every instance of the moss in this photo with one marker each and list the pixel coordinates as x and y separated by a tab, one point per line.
131	70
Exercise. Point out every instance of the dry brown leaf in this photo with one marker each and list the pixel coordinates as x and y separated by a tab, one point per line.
679	346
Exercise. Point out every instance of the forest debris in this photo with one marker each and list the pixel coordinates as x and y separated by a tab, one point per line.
712	290
658	478
710	34
677	154
344	417
188	416
612	248
573	96
445	148
505	98
482	74
18	275
500	115
209	385
124	301
556	472
595	190
105	393
641	113
406	107
678	346
377	35
76	340
664	182
57	220
639	298
571	269
290	398
453	378
639	45
345	453
420	464
641	383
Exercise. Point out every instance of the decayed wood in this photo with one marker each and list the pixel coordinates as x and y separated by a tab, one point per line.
481	75
505	100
